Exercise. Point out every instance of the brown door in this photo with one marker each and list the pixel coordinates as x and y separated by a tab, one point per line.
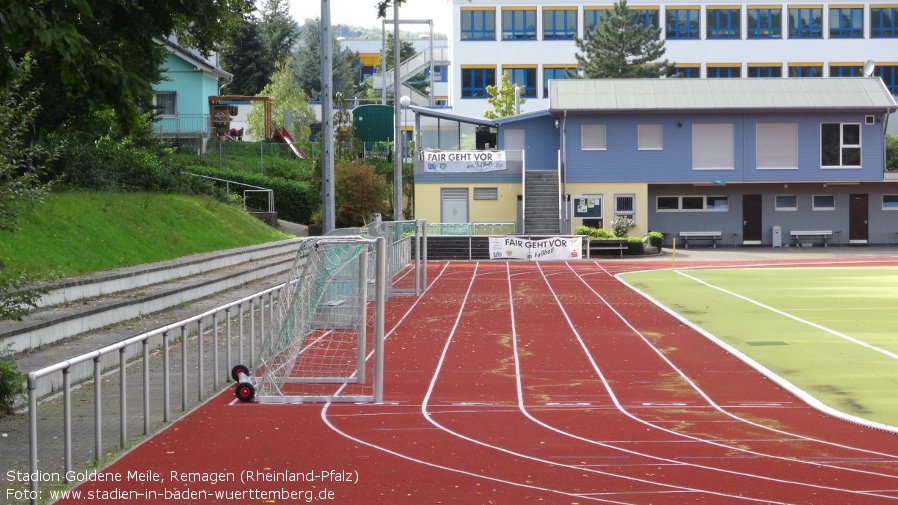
751	219
858	214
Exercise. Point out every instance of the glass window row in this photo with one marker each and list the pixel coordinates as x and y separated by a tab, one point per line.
687	23
475	79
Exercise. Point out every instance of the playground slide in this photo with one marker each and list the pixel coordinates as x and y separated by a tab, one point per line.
285	137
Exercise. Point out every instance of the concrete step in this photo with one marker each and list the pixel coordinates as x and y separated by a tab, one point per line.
77	306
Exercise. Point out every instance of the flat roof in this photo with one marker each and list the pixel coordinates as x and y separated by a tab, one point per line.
796	93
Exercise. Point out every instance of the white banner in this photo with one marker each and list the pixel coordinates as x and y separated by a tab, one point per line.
554	248
463	161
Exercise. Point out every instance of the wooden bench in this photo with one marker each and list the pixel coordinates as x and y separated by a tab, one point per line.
799	236
713	236
612	244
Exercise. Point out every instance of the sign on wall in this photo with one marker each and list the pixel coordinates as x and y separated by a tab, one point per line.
463	161
553	248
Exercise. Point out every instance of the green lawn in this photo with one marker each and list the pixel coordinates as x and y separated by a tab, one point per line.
829	331
76	232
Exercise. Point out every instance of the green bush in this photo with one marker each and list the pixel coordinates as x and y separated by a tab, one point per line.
12	381
293	200
593	233
635	246
655	239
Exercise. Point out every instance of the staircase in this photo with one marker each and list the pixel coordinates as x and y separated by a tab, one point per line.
408	69
541	215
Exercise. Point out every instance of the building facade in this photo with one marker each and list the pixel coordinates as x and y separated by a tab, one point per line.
737	158
534	42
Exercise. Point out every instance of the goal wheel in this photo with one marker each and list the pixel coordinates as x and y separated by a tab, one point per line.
245	392
237	370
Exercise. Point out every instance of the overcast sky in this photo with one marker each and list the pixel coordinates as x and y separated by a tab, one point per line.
363	13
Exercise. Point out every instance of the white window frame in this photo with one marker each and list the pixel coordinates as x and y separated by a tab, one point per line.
593	137
173	101
631	214
650	137
843	146
706	206
814	203
785	208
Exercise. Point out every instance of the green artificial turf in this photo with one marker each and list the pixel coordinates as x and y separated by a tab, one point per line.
813	349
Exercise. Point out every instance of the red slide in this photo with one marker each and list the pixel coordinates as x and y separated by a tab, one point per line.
285	137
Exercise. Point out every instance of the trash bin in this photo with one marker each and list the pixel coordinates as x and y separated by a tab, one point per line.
777	236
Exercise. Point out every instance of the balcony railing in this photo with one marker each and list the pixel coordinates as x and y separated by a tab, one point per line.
183	126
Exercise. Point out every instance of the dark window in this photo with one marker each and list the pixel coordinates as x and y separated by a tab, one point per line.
840	145
883	22
765	23
846	23
682	24
475	80
724	23
805	23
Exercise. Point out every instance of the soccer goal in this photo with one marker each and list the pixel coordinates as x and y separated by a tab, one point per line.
326	338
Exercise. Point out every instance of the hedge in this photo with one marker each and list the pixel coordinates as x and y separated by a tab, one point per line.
293	200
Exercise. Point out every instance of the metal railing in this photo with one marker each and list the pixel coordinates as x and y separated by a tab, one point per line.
183	126
254	189
471	229
232	329
150	371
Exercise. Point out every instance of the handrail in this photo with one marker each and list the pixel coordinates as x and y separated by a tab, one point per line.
255	189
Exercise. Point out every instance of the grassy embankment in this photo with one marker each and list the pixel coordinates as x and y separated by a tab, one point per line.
77	232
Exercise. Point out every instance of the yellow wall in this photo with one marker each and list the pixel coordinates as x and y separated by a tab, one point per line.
502	210
607	191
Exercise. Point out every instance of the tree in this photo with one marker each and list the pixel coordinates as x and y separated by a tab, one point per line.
502	99
358	192
278	30
406	51
346	145
346	78
621	47
288	96
246	58
892	153
384	4
103	51
22	163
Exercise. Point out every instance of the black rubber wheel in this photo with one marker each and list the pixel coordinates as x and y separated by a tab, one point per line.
237	370
245	392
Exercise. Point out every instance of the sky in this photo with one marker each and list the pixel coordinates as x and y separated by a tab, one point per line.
363	13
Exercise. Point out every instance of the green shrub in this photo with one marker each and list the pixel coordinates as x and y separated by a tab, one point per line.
655	239
593	233
12	381
635	246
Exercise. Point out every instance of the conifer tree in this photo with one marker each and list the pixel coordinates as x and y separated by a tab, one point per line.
621	47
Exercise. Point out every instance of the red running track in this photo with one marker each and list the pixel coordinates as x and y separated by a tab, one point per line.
530	383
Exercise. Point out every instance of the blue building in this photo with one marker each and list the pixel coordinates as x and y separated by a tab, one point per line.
747	161
183	95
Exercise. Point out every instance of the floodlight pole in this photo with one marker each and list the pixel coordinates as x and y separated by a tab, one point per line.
397	126
328	206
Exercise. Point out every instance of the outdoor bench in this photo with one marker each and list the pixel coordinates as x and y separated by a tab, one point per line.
596	245
798	237
713	236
